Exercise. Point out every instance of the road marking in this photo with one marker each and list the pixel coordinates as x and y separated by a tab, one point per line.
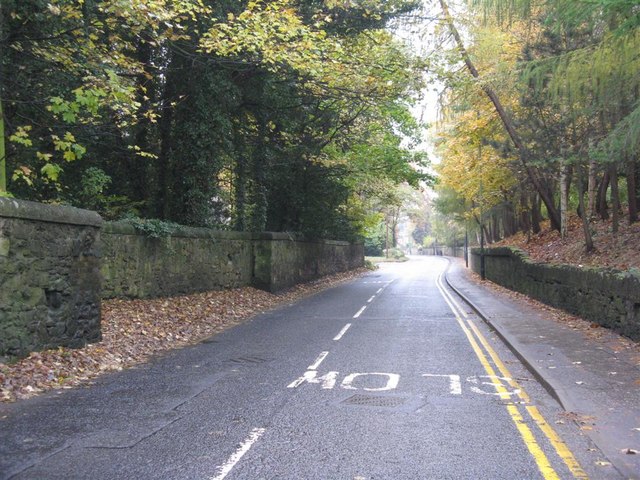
342	332
318	361
328	381
557	443
530	441
560	447
379	290
360	312
371	299
499	363
455	387
538	455
244	447
501	394
392	381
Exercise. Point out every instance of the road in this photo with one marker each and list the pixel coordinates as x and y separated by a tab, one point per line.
386	377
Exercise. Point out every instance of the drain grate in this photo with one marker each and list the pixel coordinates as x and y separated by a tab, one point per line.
247	360
374	400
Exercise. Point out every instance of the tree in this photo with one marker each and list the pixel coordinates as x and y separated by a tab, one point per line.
226	114
571	99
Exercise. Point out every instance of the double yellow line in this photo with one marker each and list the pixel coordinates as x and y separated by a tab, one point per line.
478	342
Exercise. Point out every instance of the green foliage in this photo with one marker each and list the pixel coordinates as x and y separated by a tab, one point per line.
396	254
369	265
247	115
564	79
375	241
154	228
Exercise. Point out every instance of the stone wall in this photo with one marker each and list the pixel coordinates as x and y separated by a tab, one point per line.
56	263
607	297
445	251
190	260
193	260
49	277
282	260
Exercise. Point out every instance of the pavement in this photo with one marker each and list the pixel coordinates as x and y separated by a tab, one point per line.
597	380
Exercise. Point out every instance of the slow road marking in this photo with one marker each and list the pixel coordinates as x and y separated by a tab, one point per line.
318	361
455	387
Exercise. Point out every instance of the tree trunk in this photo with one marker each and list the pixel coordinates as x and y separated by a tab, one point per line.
509	220
394	226
3	159
163	205
588	239
536	215
240	193
164	163
523	153
564	198
637	181
525	214
603	208
258	197
592	188
487	234
3	152
632	189
141	175
615	198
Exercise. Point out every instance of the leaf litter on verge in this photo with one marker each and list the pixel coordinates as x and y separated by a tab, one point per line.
135	330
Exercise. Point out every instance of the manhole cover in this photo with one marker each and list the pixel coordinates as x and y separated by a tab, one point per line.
374	400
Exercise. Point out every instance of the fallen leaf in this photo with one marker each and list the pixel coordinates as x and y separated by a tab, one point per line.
135	330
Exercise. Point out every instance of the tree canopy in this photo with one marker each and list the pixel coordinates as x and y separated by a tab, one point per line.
551	92
252	115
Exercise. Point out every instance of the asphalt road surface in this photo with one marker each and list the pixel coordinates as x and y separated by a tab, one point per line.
385	377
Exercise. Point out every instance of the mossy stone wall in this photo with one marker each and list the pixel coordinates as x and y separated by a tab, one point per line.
56	263
49	277
189	260
608	297
194	259
283	260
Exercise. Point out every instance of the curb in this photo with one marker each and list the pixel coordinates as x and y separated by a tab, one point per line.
606	441
553	390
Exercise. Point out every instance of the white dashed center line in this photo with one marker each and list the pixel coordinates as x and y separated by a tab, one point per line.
359	312
342	332
244	447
